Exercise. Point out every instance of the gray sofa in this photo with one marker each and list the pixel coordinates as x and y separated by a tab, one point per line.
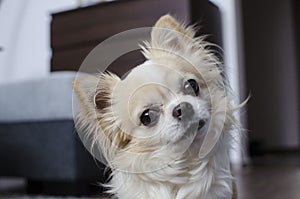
38	140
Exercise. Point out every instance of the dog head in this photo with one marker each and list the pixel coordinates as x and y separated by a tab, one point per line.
163	108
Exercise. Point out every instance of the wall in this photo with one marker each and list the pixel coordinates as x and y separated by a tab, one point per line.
25	37
271	74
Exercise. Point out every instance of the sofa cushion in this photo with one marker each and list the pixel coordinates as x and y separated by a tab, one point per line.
47	98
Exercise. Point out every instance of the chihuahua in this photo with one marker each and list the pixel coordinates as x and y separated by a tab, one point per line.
165	128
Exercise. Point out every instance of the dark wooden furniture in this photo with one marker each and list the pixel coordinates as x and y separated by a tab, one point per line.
75	33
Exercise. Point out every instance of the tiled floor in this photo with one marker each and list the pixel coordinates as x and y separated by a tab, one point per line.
269	177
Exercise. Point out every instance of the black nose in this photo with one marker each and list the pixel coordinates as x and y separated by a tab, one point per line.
184	109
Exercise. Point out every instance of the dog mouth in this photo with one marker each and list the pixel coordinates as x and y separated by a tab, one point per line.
201	124
196	126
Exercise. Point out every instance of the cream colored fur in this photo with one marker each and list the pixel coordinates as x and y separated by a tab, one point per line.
163	161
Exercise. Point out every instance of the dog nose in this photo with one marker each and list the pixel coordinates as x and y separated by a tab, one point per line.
182	110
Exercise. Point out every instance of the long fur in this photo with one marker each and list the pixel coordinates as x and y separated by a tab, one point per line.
189	175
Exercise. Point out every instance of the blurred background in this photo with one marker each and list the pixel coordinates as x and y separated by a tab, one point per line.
44	42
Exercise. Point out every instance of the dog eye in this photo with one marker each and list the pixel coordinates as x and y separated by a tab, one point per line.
149	117
191	87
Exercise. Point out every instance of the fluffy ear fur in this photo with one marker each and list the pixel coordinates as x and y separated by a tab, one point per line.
96	118
168	35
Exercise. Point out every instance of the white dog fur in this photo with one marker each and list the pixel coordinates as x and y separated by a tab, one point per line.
169	159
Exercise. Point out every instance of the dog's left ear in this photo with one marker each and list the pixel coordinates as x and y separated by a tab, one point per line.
170	35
